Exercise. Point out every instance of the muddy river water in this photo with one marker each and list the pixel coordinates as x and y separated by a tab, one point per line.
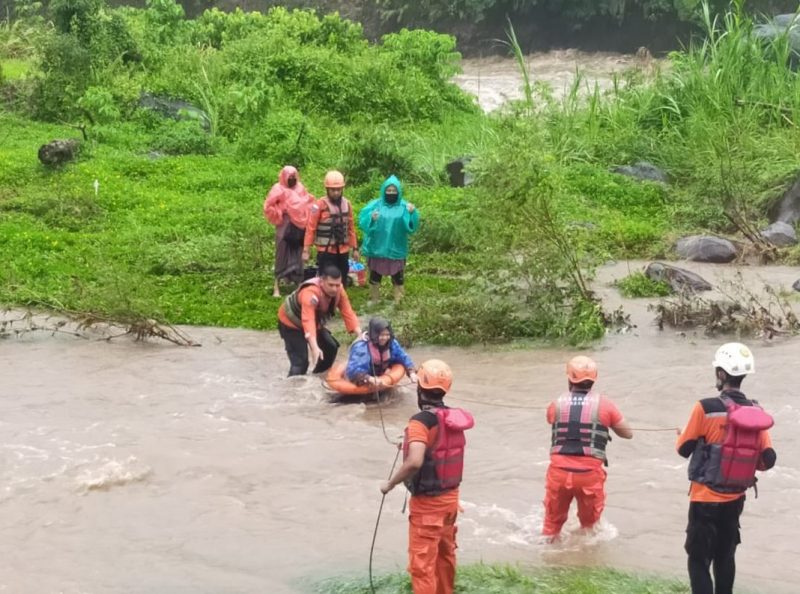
145	467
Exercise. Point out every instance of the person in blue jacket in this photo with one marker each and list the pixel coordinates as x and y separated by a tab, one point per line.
375	352
387	223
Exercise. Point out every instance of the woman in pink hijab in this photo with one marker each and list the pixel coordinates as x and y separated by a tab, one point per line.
287	206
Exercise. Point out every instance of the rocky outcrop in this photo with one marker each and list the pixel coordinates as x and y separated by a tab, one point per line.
706	248
796	285
175	109
780	234
787	209
58	152
643	171
679	279
456	172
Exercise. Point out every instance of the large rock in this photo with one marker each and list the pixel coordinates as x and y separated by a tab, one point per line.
778	26
57	152
643	170
679	279
459	177
796	285
787	209
176	109
780	234
706	248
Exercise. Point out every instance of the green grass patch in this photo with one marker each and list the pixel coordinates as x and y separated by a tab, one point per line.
637	284
15	68
504	579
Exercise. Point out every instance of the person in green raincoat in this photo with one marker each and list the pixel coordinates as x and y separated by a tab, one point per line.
387	222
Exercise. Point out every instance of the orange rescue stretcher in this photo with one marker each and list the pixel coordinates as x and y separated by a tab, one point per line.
336	381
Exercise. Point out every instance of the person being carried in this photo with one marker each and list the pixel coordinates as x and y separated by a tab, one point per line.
287	207
302	318
433	462
331	228
387	223
375	352
727	439
580	420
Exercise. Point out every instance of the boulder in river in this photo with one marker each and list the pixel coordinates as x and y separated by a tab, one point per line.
780	234
796	285
706	248
57	152
642	170
456	171
680	279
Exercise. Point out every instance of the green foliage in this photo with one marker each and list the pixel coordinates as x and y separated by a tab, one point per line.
374	152
283	136
184	138
505	579
637	284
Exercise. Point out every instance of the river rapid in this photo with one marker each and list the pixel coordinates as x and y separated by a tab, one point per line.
146	467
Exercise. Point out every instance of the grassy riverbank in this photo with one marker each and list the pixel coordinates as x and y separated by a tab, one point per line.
174	230
501	579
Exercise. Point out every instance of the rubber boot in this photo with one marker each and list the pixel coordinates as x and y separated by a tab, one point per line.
374	293
399	291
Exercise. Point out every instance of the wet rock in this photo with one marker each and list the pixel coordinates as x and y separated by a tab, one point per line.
57	152
175	109
679	279
787	209
459	178
780	234
644	171
778	26
706	248
796	285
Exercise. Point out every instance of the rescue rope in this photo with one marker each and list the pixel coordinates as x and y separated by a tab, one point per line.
380	406
378	521
497	404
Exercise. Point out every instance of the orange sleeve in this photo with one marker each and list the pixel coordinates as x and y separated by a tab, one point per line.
694	428
551	413
418	432
308	303
352	239
766	440
609	413
348	315
311	226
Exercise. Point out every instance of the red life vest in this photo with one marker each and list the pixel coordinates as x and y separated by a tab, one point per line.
379	358
577	430
730	466
444	462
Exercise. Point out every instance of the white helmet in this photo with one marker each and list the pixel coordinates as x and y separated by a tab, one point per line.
735	359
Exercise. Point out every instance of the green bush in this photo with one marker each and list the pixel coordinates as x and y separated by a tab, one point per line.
283	136
637	284
184	138
371	153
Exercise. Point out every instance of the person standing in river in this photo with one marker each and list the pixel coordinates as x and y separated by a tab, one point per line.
387	223
581	419
302	318
433	463
727	439
331	228
287	206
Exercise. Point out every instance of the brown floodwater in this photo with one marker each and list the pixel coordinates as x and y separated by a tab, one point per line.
146	467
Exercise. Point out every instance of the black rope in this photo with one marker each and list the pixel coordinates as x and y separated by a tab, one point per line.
378	521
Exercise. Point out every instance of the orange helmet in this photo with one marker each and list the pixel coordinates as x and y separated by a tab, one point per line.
435	374
581	369
334	179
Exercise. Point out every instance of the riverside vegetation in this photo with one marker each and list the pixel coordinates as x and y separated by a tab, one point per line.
173	230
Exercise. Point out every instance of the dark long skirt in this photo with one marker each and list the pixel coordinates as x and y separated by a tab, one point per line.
288	258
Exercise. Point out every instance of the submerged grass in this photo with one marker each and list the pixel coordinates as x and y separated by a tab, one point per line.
505	579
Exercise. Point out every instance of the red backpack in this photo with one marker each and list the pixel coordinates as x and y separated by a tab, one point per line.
741	448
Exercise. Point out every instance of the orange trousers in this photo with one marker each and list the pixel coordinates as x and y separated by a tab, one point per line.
432	552
562	486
